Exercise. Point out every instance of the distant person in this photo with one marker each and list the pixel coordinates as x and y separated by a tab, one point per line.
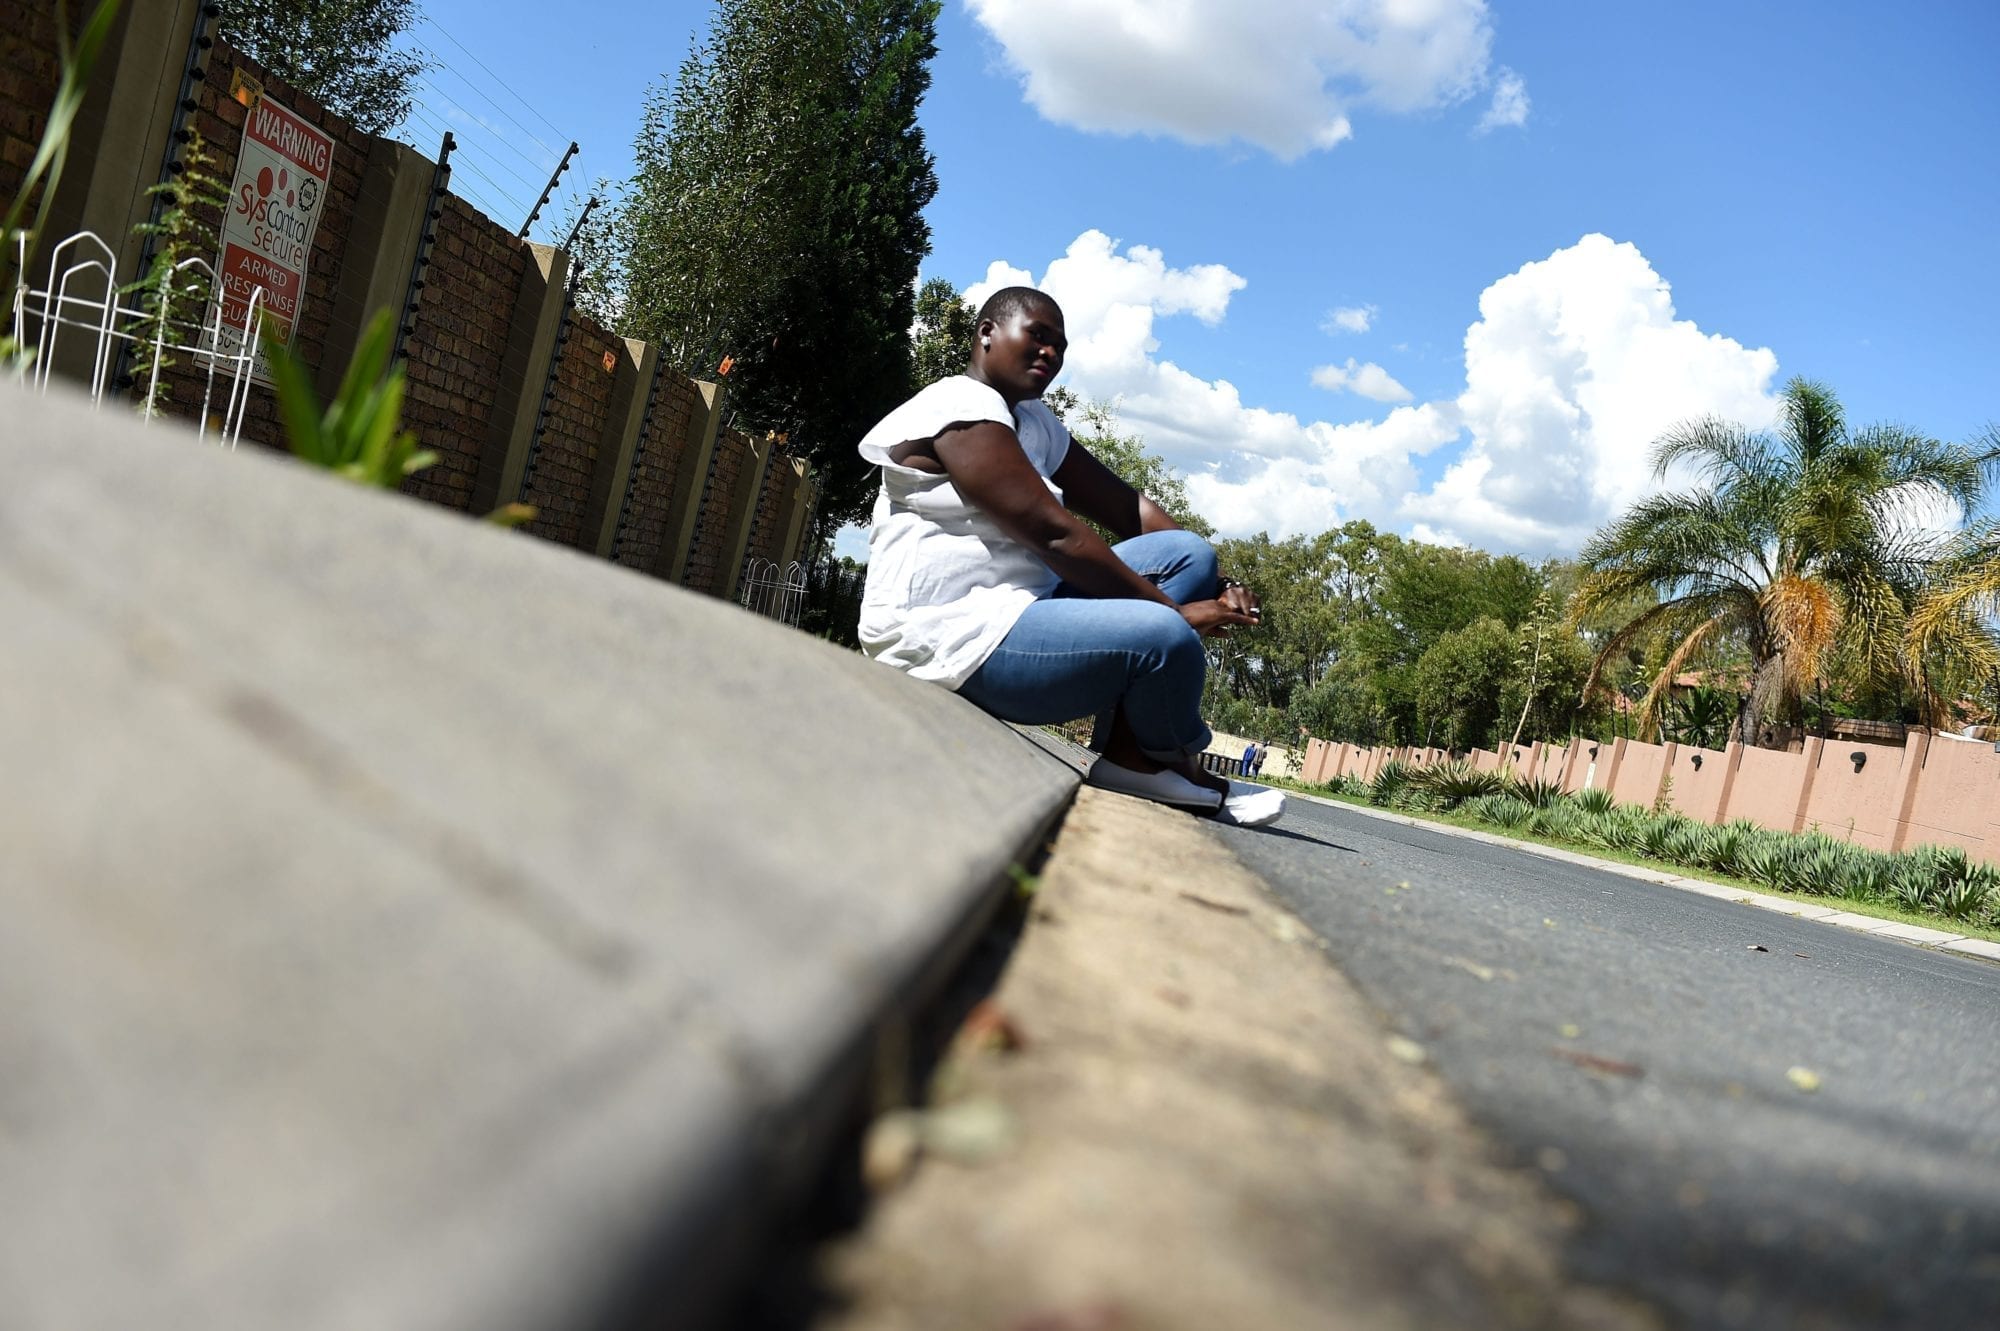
981	579
1249	764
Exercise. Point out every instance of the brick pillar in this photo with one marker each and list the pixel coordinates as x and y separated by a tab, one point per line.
1668	752
1916	748
704	423
1608	764
1814	746
632	375
531	342
383	236
791	510
742	516
1732	763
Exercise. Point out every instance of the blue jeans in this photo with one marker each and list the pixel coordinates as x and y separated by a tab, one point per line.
1072	655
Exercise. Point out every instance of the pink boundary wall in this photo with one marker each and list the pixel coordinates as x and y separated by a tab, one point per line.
1929	792
1701	781
1952	800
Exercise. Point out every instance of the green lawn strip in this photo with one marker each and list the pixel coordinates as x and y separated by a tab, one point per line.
1851	905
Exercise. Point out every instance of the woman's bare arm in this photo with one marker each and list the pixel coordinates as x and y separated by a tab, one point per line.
1102	495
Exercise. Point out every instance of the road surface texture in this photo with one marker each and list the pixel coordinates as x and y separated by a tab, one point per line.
1765	1122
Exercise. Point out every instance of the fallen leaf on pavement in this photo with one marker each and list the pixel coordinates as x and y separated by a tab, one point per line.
1804	1078
1472	968
1570	1030
988	1026
1598	1063
1801	954
1757	947
1405	1050
1208	903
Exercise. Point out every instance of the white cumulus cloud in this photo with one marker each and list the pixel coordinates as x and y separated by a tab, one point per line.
1349	319
1576	364
1367	379
1509	105
1281	74
1249	467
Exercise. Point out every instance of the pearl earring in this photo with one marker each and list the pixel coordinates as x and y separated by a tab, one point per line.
987	344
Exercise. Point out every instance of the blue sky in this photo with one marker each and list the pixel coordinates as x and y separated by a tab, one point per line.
1555	228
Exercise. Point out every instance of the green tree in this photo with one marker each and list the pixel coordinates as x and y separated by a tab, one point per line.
1458	683
1795	546
344	54
942	342
775	219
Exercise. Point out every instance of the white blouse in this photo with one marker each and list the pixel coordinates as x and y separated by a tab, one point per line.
944	583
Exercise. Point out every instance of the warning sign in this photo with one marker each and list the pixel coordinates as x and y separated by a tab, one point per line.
267	231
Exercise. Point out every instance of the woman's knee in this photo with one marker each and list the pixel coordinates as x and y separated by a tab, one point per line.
1169	634
1188	564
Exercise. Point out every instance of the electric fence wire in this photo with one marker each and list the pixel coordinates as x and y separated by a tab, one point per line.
497	200
568	194
477	134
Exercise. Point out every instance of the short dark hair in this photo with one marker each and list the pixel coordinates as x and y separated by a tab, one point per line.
1009	301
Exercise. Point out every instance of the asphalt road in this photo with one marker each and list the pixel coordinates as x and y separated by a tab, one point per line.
1630	1041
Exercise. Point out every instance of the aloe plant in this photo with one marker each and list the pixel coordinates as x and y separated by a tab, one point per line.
360	434
1594	801
1389	782
1448	785
1540	794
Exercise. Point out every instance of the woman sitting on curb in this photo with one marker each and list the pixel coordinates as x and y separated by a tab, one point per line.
980	578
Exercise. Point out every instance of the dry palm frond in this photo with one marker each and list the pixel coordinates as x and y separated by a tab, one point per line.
1949	623
1648	717
1804	617
1682	615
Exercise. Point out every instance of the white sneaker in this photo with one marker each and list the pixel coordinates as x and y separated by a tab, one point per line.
1251	806
1159	787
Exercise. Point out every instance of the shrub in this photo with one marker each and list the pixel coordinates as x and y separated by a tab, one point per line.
1915	879
1762	859
1688	844
1558	820
1448	785
1818	866
1536	794
1595	801
1964	898
1389	783
1656	834
1721	846
1504	811
1867	877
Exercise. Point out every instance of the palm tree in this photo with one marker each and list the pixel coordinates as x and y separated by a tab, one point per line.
1793	544
1948	645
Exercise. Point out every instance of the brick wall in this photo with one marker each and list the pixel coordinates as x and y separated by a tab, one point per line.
29	72
565	455
704	571
467	358
765	538
454	354
643	516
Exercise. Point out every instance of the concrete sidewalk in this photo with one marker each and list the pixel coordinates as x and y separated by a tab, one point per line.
1178	1115
414	924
